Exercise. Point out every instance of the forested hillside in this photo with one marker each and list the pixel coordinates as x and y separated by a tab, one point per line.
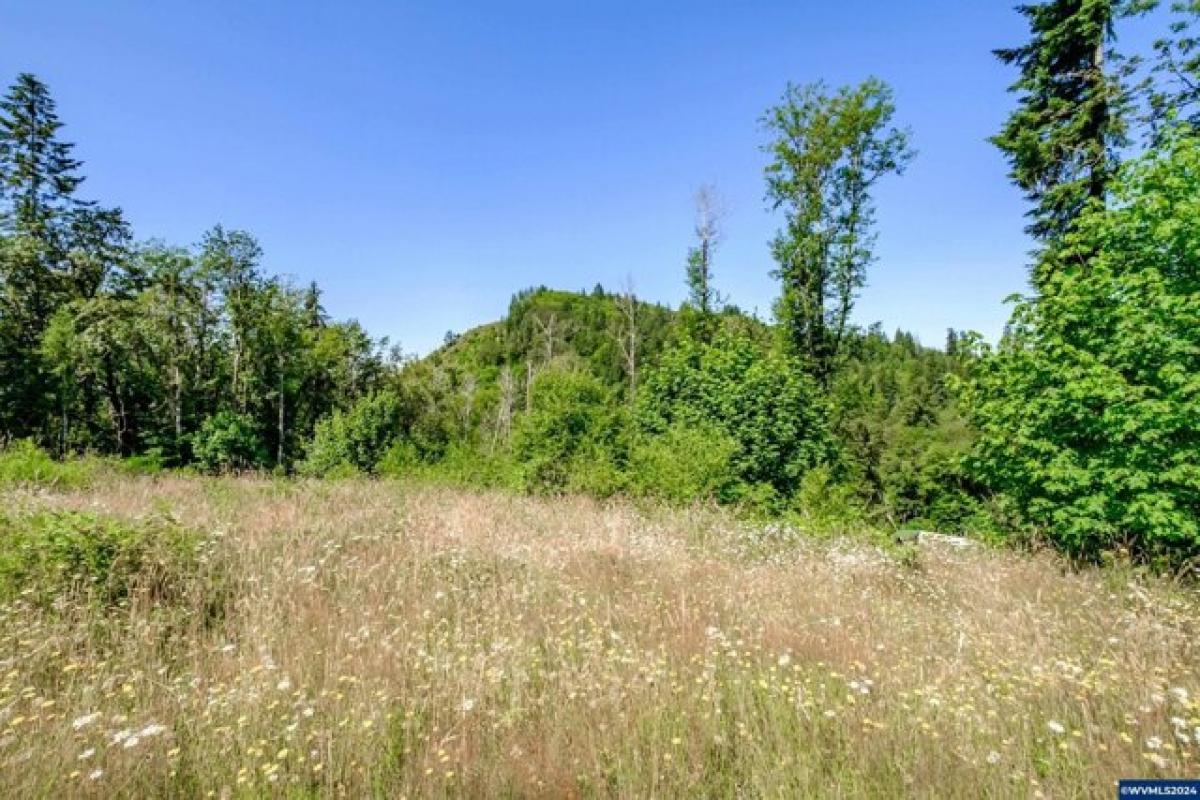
1081	428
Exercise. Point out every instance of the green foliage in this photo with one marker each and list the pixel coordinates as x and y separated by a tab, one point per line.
827	152
355	439
52	553
685	463
461	464
544	326
762	400
1088	413
109	347
228	441
573	437
36	167
823	505
23	462
702	295
901	436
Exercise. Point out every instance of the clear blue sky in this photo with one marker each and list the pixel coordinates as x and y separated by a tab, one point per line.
424	161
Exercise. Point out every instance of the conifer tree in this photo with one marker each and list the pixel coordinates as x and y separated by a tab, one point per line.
1062	140
38	175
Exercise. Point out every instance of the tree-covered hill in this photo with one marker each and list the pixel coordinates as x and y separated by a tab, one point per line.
887	434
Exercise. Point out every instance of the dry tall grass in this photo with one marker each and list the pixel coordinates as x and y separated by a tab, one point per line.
394	641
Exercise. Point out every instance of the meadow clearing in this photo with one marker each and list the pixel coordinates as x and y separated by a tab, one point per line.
370	638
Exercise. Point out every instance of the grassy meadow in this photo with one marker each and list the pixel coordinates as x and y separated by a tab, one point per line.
174	636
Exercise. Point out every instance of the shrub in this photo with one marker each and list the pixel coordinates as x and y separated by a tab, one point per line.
825	505
24	463
54	553
370	436
685	463
461	464
228	441
572	437
762	400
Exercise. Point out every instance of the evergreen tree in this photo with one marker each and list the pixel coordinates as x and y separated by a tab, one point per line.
1062	139
38	175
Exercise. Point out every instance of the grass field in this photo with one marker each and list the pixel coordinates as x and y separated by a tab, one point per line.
376	639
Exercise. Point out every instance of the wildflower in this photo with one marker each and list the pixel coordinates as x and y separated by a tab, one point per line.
86	754
1180	694
1153	743
468	704
87	719
993	757
284	685
785	659
95	774
1056	728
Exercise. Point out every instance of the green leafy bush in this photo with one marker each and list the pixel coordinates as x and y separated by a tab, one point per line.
228	441
50	554
685	463
461	464
356	439
573	437
824	505
762	400
1089	413
24	463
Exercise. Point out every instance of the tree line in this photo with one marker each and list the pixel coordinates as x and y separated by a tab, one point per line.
131	348
1080	428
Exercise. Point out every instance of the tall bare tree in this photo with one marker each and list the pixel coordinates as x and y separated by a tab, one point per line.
504	406
627	334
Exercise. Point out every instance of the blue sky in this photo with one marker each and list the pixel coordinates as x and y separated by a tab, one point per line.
424	161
